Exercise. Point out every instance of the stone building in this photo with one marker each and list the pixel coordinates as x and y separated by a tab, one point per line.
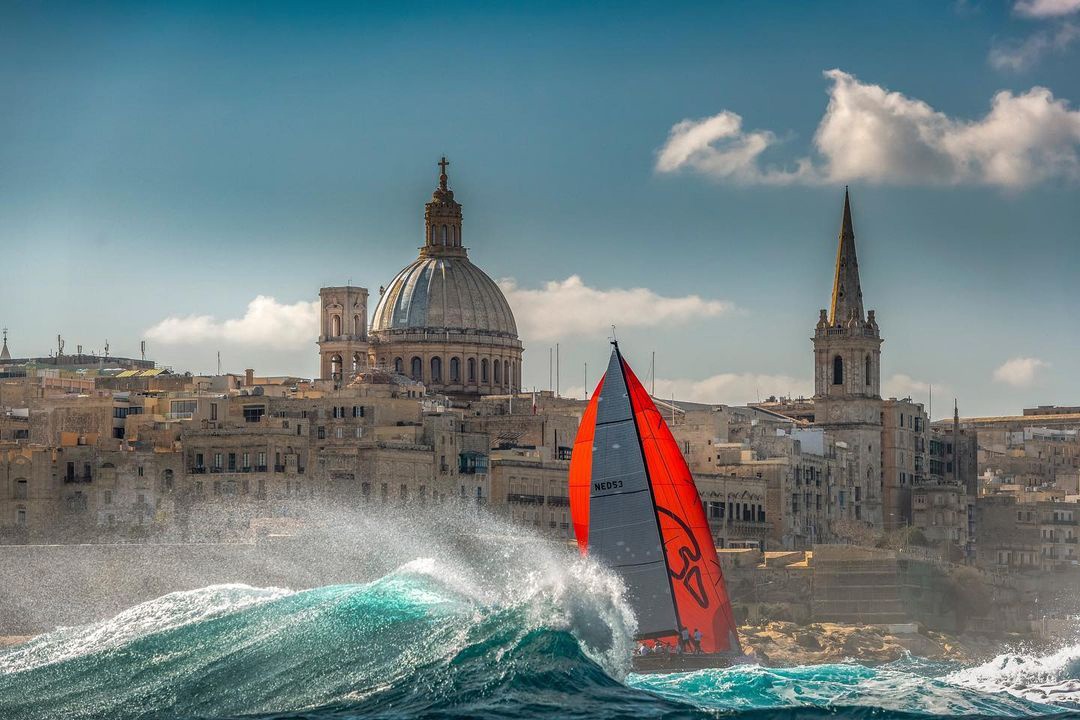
847	371
442	321
343	339
904	429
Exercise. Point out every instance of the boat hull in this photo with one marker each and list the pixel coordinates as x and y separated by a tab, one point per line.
687	662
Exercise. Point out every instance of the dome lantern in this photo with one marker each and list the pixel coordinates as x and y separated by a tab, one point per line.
442	219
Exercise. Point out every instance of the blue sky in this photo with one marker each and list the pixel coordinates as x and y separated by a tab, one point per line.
181	160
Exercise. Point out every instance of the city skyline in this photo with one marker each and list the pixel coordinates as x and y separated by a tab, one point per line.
165	206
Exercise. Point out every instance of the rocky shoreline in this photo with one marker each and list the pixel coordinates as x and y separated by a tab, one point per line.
781	644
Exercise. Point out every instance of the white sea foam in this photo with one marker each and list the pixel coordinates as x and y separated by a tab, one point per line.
1053	678
165	613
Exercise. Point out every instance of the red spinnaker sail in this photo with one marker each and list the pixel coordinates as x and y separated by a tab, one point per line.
693	569
701	597
581	471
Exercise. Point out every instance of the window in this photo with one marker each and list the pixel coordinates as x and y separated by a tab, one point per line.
417	369
261	460
232	462
218	460
455	370
254	413
398	368
213	411
183	408
436	369
20	517
321	432
167	478
246	463
472	370
867	370
838	370
335	325
484	370
21	486
444	235
140	471
498	372
506	372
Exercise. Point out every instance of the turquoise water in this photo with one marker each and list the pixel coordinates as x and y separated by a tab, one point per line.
427	640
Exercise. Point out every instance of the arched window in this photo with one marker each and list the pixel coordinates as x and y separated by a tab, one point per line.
443	234
417	369
357	362
455	370
432	234
436	369
506	372
335	325
335	367
453	235
472	370
398	365
498	372
484	370
167	479
838	370
867	369
21	486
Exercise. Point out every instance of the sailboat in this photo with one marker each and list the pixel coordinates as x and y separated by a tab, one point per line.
636	509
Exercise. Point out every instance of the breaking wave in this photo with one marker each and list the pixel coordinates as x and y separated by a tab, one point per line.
518	628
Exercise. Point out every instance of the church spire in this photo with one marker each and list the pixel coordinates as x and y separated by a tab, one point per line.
442	219
847	302
4	354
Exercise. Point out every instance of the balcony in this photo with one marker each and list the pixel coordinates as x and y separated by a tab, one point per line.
260	468
1071	541
524	499
279	468
72	479
558	500
197	470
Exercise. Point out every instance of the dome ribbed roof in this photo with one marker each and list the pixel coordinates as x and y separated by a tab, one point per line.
444	293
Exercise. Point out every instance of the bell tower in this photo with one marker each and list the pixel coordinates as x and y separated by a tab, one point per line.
343	336
847	373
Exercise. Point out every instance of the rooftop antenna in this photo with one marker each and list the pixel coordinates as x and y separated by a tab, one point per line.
106	347
59	345
556	369
142	348
614	337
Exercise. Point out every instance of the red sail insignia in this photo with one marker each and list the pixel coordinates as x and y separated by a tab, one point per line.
700	595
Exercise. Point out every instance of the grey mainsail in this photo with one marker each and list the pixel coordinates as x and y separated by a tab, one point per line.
624	531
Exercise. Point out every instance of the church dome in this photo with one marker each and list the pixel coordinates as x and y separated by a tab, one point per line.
444	292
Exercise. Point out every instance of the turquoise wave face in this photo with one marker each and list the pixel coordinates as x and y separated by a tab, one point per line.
528	632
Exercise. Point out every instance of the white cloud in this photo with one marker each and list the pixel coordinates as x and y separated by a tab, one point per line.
721	389
717	146
1020	371
266	323
570	307
870	133
1017	56
900	385
1046	8
734	388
